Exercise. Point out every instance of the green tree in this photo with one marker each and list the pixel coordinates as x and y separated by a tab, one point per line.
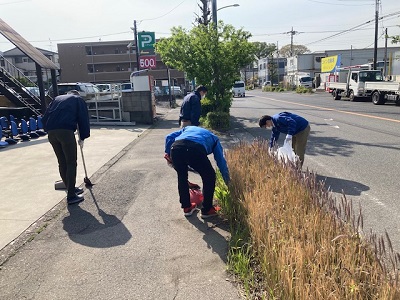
263	49
285	51
273	69
212	57
24	81
395	39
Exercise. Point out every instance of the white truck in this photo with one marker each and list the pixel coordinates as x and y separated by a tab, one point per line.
239	89
364	84
303	79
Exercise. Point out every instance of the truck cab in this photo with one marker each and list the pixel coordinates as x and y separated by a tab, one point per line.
305	81
357	81
351	83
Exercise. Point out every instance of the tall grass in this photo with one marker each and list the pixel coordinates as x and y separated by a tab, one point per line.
292	240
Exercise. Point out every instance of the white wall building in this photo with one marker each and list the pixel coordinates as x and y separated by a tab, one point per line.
264	69
309	63
27	65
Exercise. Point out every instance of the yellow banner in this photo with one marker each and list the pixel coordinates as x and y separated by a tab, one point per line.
329	64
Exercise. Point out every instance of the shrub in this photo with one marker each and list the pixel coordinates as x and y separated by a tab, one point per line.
217	120
303	90
292	240
206	106
273	89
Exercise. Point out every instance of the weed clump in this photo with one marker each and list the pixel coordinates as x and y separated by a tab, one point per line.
292	240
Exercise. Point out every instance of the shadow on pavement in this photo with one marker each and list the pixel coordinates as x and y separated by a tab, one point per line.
85	229
337	185
215	241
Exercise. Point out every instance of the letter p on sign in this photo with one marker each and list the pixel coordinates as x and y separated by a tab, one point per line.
146	40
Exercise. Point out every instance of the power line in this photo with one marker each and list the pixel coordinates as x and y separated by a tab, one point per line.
355	27
163	14
340	4
14	2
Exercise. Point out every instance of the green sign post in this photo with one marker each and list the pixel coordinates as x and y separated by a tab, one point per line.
146	40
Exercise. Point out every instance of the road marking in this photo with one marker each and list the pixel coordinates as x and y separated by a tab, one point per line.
328	121
332	109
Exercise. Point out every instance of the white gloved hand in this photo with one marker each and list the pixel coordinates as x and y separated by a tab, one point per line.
80	143
288	138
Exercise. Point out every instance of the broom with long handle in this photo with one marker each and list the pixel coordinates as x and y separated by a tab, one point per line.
86	180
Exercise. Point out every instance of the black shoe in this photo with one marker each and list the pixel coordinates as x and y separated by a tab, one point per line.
75	199
78	190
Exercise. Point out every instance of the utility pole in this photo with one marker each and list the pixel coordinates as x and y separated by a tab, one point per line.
351	55
214	12
137	45
376	33
385	58
292	33
277	59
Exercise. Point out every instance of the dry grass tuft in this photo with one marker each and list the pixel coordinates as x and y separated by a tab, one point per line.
292	240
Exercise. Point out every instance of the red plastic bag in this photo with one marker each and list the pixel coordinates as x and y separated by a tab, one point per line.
196	196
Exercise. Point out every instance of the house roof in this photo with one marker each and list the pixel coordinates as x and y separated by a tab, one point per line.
17	52
23	45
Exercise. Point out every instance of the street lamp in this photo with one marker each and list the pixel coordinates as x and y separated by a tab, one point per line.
214	10
232	5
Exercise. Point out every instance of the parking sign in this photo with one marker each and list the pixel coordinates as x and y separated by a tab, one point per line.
146	40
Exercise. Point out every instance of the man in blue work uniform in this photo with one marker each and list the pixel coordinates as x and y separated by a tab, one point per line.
191	107
190	146
296	128
61	119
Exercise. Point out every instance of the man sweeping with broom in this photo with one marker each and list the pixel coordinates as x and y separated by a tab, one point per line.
64	114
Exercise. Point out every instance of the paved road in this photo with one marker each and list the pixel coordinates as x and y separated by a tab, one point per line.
127	240
354	146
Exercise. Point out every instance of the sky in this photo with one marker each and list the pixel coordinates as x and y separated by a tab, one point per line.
318	24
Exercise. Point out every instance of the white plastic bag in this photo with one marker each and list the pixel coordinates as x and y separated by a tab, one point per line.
286	153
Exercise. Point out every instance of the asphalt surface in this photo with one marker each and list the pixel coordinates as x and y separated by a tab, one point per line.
353	147
128	239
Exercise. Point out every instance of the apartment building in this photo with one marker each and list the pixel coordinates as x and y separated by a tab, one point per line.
271	69
28	66
107	62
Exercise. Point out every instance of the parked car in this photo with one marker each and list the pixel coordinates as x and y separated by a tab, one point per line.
126	87
157	91
107	91
267	83
87	91
176	90
104	87
33	90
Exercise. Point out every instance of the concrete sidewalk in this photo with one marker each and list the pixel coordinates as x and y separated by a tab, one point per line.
128	239
29	170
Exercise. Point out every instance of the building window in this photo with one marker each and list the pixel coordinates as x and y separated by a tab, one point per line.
88	50
18	60
118	68
25	59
